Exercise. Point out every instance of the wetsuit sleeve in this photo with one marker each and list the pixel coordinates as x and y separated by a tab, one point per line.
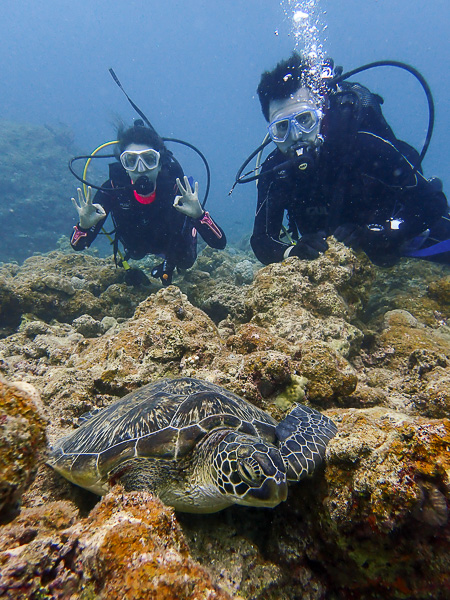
83	238
182	249
265	239
213	235
390	179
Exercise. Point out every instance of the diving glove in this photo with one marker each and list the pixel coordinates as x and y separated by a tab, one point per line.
188	203
164	271
349	234
310	246
88	214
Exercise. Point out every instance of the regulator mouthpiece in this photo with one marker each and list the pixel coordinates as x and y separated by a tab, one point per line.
304	156
143	185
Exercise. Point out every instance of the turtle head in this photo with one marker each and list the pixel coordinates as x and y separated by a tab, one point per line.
249	471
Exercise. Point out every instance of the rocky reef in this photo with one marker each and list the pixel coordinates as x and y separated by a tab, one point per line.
370	347
35	187
130	546
23	441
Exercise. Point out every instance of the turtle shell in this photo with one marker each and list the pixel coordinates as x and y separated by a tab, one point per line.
163	420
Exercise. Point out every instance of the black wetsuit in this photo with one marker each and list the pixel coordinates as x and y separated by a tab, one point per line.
155	228
361	183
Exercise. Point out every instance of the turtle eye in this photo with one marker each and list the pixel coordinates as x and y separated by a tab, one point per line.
250	471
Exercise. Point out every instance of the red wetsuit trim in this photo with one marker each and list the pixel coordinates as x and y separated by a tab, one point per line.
206	220
145	199
77	235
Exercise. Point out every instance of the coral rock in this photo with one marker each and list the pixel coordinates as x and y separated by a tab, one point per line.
129	547
133	548
385	511
22	441
329	375
294	301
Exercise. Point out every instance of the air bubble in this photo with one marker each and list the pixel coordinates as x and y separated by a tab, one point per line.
307	29
299	16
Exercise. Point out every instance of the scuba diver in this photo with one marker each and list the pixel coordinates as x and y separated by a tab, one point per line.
152	204
338	169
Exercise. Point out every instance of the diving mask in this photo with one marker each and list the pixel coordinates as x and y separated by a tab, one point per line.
140	160
302	122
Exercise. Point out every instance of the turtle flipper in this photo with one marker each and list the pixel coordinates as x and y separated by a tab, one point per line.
303	437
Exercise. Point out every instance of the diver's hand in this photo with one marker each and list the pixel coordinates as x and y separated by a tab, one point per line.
310	246
188	203
382	246
88	214
349	234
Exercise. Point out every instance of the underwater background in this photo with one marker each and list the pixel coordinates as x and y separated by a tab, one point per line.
368	346
193	69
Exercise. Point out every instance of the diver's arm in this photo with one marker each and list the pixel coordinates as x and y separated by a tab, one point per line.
392	182
402	202
423	206
82	237
265	239
187	203
212	233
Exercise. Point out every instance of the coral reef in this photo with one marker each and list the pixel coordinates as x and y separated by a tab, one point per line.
370	347
129	547
22	441
35	188
302	301
64	287
385	509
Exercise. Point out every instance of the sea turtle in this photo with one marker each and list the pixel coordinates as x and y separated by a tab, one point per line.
197	446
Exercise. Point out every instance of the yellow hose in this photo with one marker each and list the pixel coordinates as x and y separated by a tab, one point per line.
125	265
88	162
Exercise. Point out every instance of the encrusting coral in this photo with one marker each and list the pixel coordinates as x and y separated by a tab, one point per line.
372	524
129	547
387	480
22	441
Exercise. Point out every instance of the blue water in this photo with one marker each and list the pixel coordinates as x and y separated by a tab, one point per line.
193	68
